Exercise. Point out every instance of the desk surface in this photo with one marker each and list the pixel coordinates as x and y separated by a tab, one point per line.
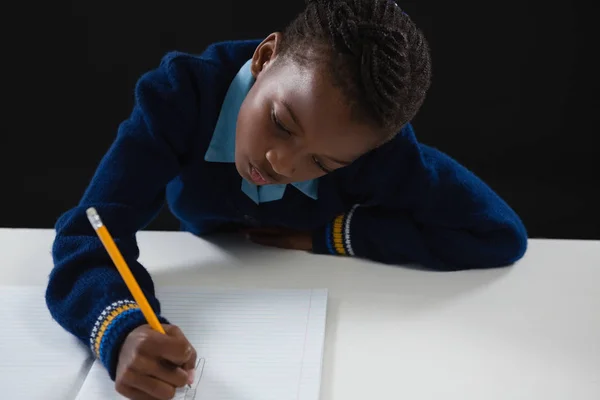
531	331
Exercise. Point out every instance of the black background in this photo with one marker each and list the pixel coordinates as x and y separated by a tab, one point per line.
513	96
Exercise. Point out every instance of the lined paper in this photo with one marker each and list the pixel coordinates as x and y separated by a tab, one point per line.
255	344
38	359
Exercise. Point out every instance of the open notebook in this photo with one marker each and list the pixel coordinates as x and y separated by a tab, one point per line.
38	359
252	345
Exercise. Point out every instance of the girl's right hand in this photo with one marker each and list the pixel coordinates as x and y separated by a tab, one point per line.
152	366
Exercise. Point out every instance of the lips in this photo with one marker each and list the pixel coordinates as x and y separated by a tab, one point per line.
258	177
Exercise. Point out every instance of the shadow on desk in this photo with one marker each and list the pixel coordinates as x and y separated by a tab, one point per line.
233	262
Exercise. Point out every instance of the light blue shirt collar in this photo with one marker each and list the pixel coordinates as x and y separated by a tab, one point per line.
222	144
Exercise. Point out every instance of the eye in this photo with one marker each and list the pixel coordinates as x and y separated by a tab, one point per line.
320	165
278	123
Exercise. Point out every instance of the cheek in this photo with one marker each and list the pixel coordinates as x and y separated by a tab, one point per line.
251	128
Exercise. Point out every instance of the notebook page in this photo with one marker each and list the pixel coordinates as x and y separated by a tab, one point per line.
254	344
38	359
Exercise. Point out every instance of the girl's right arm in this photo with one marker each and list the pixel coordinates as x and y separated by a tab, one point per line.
85	294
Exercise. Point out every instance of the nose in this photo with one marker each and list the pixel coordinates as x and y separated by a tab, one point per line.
282	161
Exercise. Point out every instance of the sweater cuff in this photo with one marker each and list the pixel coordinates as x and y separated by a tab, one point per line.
110	330
336	237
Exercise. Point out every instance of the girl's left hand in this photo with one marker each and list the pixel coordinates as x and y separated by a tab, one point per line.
281	238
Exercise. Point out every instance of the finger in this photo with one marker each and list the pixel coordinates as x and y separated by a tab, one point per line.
264	231
134	394
190	362
191	376
166	372
271	241
175	349
174	331
151	386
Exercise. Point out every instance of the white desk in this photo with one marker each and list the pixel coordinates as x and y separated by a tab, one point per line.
531	331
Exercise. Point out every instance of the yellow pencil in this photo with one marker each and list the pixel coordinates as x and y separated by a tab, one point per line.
124	270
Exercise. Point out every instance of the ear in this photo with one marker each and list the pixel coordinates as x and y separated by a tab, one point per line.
265	53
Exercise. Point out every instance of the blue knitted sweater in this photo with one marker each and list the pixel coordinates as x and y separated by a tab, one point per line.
403	203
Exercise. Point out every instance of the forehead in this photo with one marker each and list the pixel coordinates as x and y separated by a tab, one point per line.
320	108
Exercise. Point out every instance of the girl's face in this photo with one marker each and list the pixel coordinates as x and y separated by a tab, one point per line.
294	125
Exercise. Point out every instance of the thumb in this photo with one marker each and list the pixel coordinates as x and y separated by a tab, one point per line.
190	364
189	355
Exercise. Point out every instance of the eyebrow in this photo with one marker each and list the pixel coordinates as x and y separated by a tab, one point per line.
289	110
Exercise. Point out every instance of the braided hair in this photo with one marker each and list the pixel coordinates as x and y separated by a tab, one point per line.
373	51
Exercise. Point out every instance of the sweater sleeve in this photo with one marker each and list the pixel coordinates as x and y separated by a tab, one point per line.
452	221
85	294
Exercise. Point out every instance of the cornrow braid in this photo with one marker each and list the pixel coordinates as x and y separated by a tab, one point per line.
375	54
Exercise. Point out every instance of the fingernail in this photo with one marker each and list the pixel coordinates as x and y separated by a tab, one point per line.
191	375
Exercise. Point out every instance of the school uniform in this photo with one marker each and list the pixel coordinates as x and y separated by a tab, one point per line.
403	203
